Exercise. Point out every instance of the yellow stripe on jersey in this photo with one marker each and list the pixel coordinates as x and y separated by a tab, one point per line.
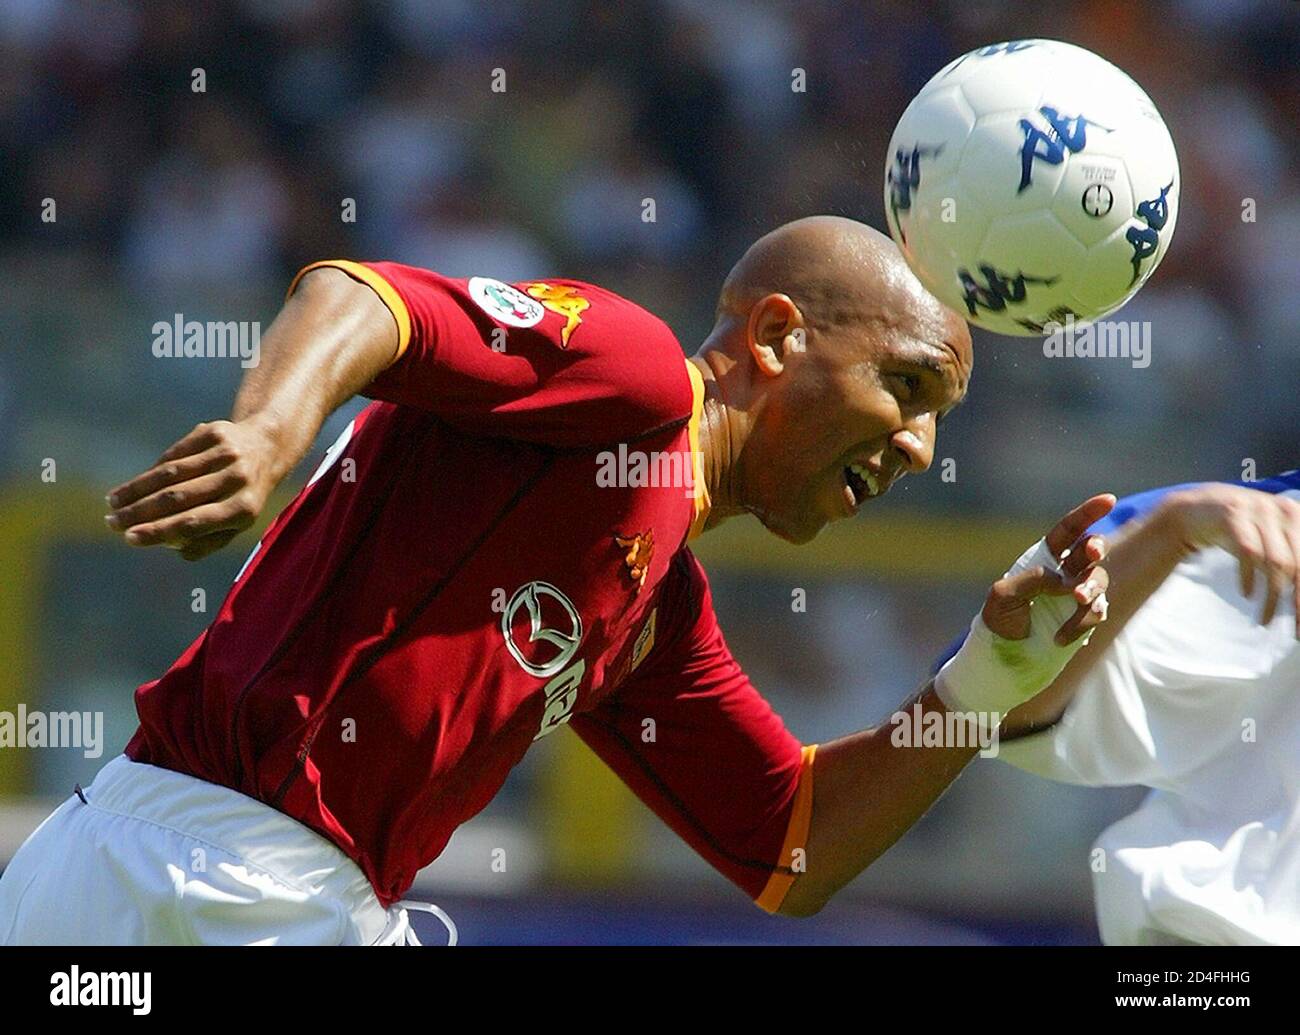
796	838
701	491
386	292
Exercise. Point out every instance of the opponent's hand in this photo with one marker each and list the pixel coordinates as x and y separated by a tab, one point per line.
1260	529
1036	617
202	492
1008	605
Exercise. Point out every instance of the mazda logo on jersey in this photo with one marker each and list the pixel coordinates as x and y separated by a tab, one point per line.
562	642
554	624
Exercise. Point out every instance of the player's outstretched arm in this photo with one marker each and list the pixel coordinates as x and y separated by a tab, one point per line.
1260	529
867	792
331	339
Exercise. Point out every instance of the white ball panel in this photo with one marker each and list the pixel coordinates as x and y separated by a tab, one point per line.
1033	193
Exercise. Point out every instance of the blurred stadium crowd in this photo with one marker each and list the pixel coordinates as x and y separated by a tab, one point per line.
205	203
172	198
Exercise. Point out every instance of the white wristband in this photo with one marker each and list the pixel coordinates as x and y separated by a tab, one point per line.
993	674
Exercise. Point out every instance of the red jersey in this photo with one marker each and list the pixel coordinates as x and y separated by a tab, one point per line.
493	548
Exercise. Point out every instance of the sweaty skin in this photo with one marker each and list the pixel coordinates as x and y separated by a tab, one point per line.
827	353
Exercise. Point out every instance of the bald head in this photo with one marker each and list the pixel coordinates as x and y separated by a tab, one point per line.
839	271
832	369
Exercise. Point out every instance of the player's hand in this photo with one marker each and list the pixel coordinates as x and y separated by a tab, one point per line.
1007	607
202	492
1034	619
1260	529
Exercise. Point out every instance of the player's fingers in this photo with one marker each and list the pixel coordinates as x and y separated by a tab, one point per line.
1280	562
168	472
1276	567
1290	523
1022	587
1089	583
1078	624
1271	596
203	436
1092	607
1246	544
1085	552
200	548
1291	529
1006	609
235	513
1074	524
180	497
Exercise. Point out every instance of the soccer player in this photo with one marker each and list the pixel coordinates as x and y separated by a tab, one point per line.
1196	699
497	546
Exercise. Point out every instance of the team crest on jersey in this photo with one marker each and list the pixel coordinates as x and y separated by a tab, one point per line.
565	300
640	550
504	303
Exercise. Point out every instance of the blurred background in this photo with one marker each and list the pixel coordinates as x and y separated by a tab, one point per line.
171	200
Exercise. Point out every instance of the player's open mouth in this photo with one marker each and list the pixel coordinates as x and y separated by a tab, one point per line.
860	483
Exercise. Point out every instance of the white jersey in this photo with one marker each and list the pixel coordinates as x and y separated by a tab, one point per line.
1198	701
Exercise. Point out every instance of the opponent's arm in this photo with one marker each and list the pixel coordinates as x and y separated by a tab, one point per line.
867	792
1260	529
332	337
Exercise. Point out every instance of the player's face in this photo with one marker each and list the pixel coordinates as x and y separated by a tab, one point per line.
846	419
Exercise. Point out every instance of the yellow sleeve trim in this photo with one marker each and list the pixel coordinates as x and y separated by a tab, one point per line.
381	287
796	837
701	490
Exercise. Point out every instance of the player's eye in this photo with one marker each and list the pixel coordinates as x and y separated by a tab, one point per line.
911	384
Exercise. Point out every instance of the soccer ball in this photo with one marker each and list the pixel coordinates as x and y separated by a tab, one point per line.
1030	182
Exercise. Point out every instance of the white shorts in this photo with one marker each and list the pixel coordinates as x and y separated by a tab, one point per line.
154	857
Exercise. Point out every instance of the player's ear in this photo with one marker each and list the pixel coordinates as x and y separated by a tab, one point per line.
775	330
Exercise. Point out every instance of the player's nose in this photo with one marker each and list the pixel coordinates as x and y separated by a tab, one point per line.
915	444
